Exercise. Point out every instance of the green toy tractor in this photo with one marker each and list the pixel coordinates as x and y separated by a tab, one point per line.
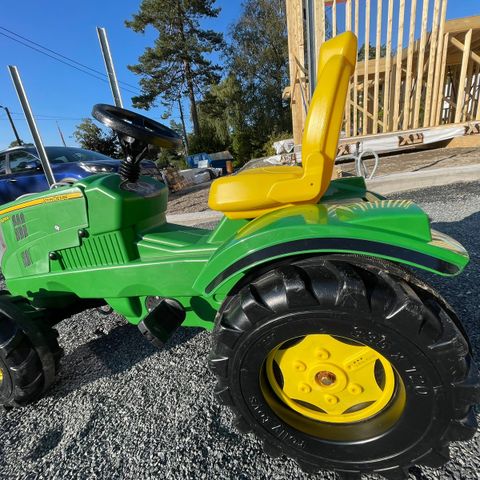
326	345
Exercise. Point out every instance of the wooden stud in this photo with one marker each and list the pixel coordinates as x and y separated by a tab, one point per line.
320	23
467	104
463	74
476	91
366	65
348	15
477	116
442	86
438	65
408	78
348	27
470	102
388	68
431	64
296	55
378	52
421	58
355	81
398	66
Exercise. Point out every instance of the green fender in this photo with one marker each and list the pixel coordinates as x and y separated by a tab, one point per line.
396	230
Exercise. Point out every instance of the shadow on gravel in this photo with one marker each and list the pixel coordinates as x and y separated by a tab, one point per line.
111	354
463	291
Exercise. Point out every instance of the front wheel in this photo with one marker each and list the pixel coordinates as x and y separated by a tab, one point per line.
29	352
343	366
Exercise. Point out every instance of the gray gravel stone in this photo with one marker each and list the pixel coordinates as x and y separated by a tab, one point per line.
124	410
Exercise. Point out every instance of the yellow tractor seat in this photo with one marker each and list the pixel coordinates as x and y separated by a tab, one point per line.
252	193
248	193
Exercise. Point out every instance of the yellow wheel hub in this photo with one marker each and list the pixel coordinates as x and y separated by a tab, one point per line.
329	380
1	376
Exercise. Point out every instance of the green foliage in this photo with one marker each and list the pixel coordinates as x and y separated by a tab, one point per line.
176	65
92	137
246	108
170	157
258	57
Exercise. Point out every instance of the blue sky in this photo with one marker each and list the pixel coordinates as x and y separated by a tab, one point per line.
58	92
69	28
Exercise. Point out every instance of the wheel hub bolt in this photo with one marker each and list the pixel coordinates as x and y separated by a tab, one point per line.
325	378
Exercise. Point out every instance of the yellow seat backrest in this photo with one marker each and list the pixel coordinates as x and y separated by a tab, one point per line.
254	192
336	64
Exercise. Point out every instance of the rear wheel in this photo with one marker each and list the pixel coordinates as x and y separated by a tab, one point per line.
343	366
29	353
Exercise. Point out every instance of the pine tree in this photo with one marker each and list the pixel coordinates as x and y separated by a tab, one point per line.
177	64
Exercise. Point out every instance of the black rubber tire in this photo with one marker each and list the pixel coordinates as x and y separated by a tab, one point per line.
29	352
407	324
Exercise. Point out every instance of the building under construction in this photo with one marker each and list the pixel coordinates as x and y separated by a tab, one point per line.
418	75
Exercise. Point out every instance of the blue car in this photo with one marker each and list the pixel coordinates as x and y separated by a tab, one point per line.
21	171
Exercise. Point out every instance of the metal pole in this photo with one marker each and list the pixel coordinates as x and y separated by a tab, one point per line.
107	57
19	141
22	96
311	53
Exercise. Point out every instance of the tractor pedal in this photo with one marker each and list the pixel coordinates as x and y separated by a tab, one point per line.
162	321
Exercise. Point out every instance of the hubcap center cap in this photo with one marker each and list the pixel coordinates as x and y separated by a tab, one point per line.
325	378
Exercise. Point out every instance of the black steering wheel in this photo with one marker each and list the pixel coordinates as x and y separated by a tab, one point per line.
136	126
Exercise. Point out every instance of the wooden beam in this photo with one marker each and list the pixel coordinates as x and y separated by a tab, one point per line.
457	43
431	64
459	25
398	66
408	79
421	58
463	74
377	66
388	68
369	115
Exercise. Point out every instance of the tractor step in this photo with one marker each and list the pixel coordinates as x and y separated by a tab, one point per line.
165	316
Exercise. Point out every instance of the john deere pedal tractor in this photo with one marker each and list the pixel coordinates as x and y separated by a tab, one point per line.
326	345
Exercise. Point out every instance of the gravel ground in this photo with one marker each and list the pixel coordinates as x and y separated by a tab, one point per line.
420	160
123	409
194	199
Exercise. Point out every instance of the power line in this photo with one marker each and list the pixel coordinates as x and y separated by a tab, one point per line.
65	57
61	61
56	117
49	119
